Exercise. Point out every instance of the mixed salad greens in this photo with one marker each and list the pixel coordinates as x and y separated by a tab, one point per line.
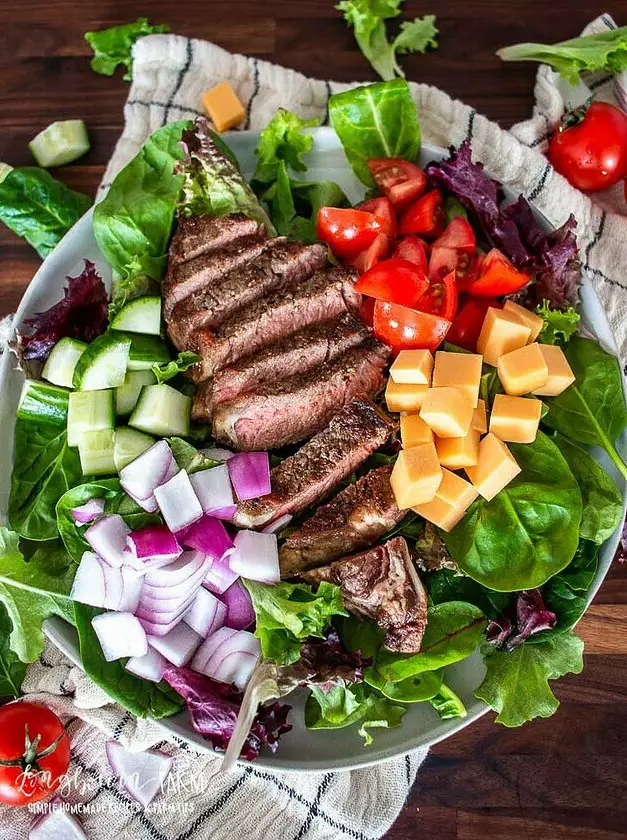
512	578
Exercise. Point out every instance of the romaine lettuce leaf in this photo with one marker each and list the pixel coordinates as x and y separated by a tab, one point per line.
114	46
345	704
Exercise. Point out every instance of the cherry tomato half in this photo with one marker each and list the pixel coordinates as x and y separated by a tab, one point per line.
440	298
458	235
402	328
468	322
496	277
345	230
413	249
396	281
381	207
399	179
425	216
372	254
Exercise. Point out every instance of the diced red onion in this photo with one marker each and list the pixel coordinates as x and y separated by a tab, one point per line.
219	576
89	511
141	773
250	474
88	586
149	505
154	545
209	536
155	630
164	617
178	646
132	582
278	525
215	453
177	571
240	613
150	666
256	556
107	536
209	647
213	488
56	824
114	588
148	471
206	614
120	634
234	660
178	502
225	513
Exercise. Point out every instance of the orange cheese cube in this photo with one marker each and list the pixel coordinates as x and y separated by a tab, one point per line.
450	503
223	107
414	431
523	371
480	418
416	476
515	419
458	370
501	333
404	397
529	319
495	469
458	453
412	367
448	412
560	372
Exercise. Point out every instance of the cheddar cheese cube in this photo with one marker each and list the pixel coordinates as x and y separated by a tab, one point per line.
404	397
223	107
500	333
448	412
459	453
495	469
412	367
515	419
416	476
450	503
560	372
414	431
458	370
529	319
523	371
480	418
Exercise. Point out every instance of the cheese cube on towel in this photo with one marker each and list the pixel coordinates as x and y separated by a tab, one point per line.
414	431
501	333
451	501
412	367
223	107
416	476
448	412
529	319
515	419
458	370
560	373
495	469
523	371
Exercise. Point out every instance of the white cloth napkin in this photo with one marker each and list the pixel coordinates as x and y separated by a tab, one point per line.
170	74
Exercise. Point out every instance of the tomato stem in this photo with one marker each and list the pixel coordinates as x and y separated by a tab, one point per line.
575	115
29	759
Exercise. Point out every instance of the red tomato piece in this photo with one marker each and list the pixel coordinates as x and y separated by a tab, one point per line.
496	277
372	254
458	235
346	231
381	207
399	179
402	328
413	249
468	322
396	281
425	216
440	298
366	310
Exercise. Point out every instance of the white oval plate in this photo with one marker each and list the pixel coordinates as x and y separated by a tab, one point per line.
300	750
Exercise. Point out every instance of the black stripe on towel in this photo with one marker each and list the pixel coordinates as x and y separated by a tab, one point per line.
315	806
152	103
541	183
471	125
327	84
180	79
408	769
598	273
213	809
249	107
597	236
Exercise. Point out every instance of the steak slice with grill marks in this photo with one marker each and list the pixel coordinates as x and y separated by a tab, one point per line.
290	410
320	464
298	353
382	584
356	518
330	292
196	235
280	265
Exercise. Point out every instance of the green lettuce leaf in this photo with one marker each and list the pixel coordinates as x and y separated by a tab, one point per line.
559	327
169	370
12	669
282	140
114	46
448	704
345	704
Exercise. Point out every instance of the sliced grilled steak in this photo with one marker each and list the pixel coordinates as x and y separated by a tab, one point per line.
320	464
198	235
307	349
356	518
382	584
300	406
330	292
281	264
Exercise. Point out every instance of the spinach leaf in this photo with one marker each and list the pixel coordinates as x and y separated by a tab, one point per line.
592	410
582	569
169	370
12	670
414	689
447	585
113	46
373	121
359	634
516	684
529	531
140	697
39	208
447	704
188	457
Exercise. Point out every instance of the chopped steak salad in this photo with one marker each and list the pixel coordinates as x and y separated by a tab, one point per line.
304	444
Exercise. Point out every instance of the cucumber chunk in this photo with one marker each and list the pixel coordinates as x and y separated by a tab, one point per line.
103	364
129	444
96	451
46	404
5	168
146	350
142	315
163	411
60	364
61	142
89	411
126	395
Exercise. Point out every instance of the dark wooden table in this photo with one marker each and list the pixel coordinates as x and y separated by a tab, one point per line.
560	779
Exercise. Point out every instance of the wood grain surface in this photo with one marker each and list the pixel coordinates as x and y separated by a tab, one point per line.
562	778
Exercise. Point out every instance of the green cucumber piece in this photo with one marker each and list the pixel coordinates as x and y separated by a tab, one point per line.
43	403
129	444
5	168
61	142
163	411
146	350
89	411
142	315
126	395
60	364
97	453
103	364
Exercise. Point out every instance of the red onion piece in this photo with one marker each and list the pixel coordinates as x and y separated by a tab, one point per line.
114	588
141	773
209	536
89	511
256	556
250	474
152	468
206	614
225	513
219	577
178	646
216	453
213	488
107	536
150	666
278	525
209	647
120	634
132	582
234	659
177	571
154	545
88	586
239	606
149	505
56	824
168	617
178	502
